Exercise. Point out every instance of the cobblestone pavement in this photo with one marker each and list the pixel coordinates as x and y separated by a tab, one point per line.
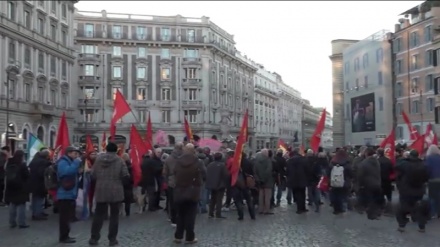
285	228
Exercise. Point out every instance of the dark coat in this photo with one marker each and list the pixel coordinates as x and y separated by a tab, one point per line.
404	174
217	176
386	169
128	184
37	168
313	170
369	174
19	195
2	166
297	172
281	164
247	167
151	172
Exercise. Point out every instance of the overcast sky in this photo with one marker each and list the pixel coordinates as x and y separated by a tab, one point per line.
291	38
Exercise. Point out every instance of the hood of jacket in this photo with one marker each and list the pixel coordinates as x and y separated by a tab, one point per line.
261	157
107	159
201	156
176	153
187	159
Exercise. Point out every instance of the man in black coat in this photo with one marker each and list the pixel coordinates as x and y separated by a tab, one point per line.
281	173
297	179
4	156
386	168
151	178
37	167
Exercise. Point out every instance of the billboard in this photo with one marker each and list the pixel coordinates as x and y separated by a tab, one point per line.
363	118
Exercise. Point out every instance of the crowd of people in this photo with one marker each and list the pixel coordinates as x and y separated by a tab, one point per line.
195	180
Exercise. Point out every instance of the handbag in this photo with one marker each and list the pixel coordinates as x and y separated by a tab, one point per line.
323	183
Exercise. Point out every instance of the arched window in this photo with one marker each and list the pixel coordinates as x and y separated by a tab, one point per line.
40	133
52	137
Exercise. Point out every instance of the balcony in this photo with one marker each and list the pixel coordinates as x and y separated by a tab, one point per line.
437	100
44	109
89	103
87	58
191	61
165	104
191	82
192	104
142	103
89	81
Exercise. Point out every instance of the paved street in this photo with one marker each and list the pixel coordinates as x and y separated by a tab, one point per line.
285	228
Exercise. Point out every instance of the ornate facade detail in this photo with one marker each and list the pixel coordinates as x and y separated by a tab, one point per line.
54	83
65	87
41	80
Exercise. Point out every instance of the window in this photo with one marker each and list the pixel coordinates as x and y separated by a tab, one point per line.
53	32
53	96
64	69
414	62
27	92
53	7
430	104
347	85
89	70
117	51
117	32
415	85
380	103
429	83
12	89
12	51
141	93
142	52
40	92
429	58
64	100
117	72
89	115
89	30
165	34
190	73
415	106
414	39
428	33
166	94
165	74
366	81
356	64
11	10
399	132
27	57
64	37
191	116
357	84
27	19
191	35
142	116
346	68
379	78
40	25
165	53
399	67
53	65
399	108
40	61
89	92
191	53
89	49
397	45
141	72
166	115
192	94
64	11
141	33
365	61
114	90
379	55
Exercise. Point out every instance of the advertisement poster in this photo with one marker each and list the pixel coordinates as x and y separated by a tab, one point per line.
363	117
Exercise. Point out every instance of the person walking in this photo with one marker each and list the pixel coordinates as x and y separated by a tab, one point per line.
217	177
264	179
110	173
168	174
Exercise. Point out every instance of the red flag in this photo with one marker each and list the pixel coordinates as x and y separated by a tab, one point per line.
89	145
418	144
103	142
136	143
430	136
149	133
282	145
120	109
389	144
236	162
412	130
63	140
316	138
188	131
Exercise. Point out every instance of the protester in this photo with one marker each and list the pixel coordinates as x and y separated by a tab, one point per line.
217	177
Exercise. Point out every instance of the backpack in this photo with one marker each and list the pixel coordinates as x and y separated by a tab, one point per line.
51	177
417	175
337	176
13	176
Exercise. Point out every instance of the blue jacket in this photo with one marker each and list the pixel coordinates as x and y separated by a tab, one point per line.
433	164
66	167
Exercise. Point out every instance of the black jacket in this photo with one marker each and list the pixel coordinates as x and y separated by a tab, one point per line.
405	174
37	168
151	172
386	169
128	184
297	172
281	164
313	170
19	195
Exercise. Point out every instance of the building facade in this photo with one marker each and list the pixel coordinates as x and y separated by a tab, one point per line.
265	106
338	47
310	118
327	135
37	67
368	90
168	67
415	68
290	111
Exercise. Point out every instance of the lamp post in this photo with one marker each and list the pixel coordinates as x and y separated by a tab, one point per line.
8	78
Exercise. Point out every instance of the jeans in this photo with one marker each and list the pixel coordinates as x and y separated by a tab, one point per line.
17	210
228	197
374	199
186	219
37	205
289	195
314	196
216	202
101	212
66	211
299	195
153	198
171	207
414	205
204	197
338	197
240	195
